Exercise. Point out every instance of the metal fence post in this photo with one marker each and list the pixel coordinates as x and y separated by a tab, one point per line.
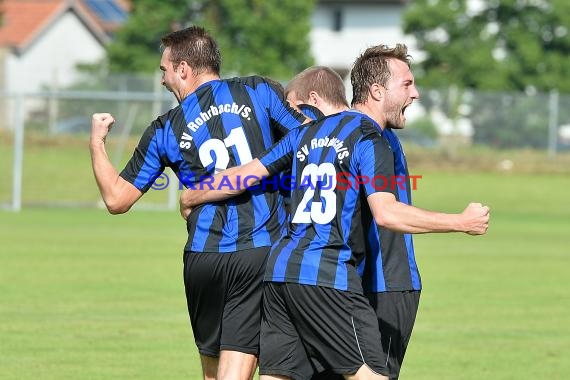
18	154
552	123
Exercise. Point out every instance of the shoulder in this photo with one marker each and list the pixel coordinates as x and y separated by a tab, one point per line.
311	111
251	81
369	127
253	84
355	124
171	119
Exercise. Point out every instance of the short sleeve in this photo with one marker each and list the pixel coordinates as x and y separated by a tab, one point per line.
285	117
376	164
279	157
146	164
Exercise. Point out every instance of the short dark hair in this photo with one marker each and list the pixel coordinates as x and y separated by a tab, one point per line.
372	67
321	79
195	46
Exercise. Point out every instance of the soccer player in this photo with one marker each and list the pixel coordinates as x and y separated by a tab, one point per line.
313	91
316	91
475	214
389	254
391	277
217	124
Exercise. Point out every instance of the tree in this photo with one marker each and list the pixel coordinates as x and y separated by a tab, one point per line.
492	44
265	37
135	47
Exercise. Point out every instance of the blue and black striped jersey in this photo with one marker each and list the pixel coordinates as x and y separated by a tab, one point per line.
390	263
313	113
224	123
310	111
330	158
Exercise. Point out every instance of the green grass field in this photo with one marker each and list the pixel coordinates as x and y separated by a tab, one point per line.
496	306
86	295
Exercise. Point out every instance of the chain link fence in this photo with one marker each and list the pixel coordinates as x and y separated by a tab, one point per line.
44	136
498	120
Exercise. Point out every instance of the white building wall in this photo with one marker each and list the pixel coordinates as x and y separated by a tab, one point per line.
362	26
50	60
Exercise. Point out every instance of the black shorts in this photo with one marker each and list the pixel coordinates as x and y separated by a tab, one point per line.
223	293
307	328
396	313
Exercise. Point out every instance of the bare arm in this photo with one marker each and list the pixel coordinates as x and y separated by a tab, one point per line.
231	186
398	216
118	194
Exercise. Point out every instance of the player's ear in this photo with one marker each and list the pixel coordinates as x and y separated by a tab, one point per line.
314	98
184	69
376	91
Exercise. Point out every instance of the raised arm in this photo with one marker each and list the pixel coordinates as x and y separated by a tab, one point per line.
398	216
226	184
118	194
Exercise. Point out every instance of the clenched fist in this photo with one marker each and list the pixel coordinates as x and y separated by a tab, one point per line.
101	124
475	219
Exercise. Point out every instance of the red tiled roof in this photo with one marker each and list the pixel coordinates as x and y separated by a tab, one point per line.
23	19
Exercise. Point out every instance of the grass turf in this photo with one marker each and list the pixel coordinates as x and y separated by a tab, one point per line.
92	296
494	306
87	295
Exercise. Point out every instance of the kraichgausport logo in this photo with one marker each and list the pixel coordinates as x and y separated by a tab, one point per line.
341	181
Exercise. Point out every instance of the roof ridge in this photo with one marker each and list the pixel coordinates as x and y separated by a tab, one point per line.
25	20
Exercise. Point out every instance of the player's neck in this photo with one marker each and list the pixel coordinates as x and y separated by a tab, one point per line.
204	78
370	109
194	82
331	109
